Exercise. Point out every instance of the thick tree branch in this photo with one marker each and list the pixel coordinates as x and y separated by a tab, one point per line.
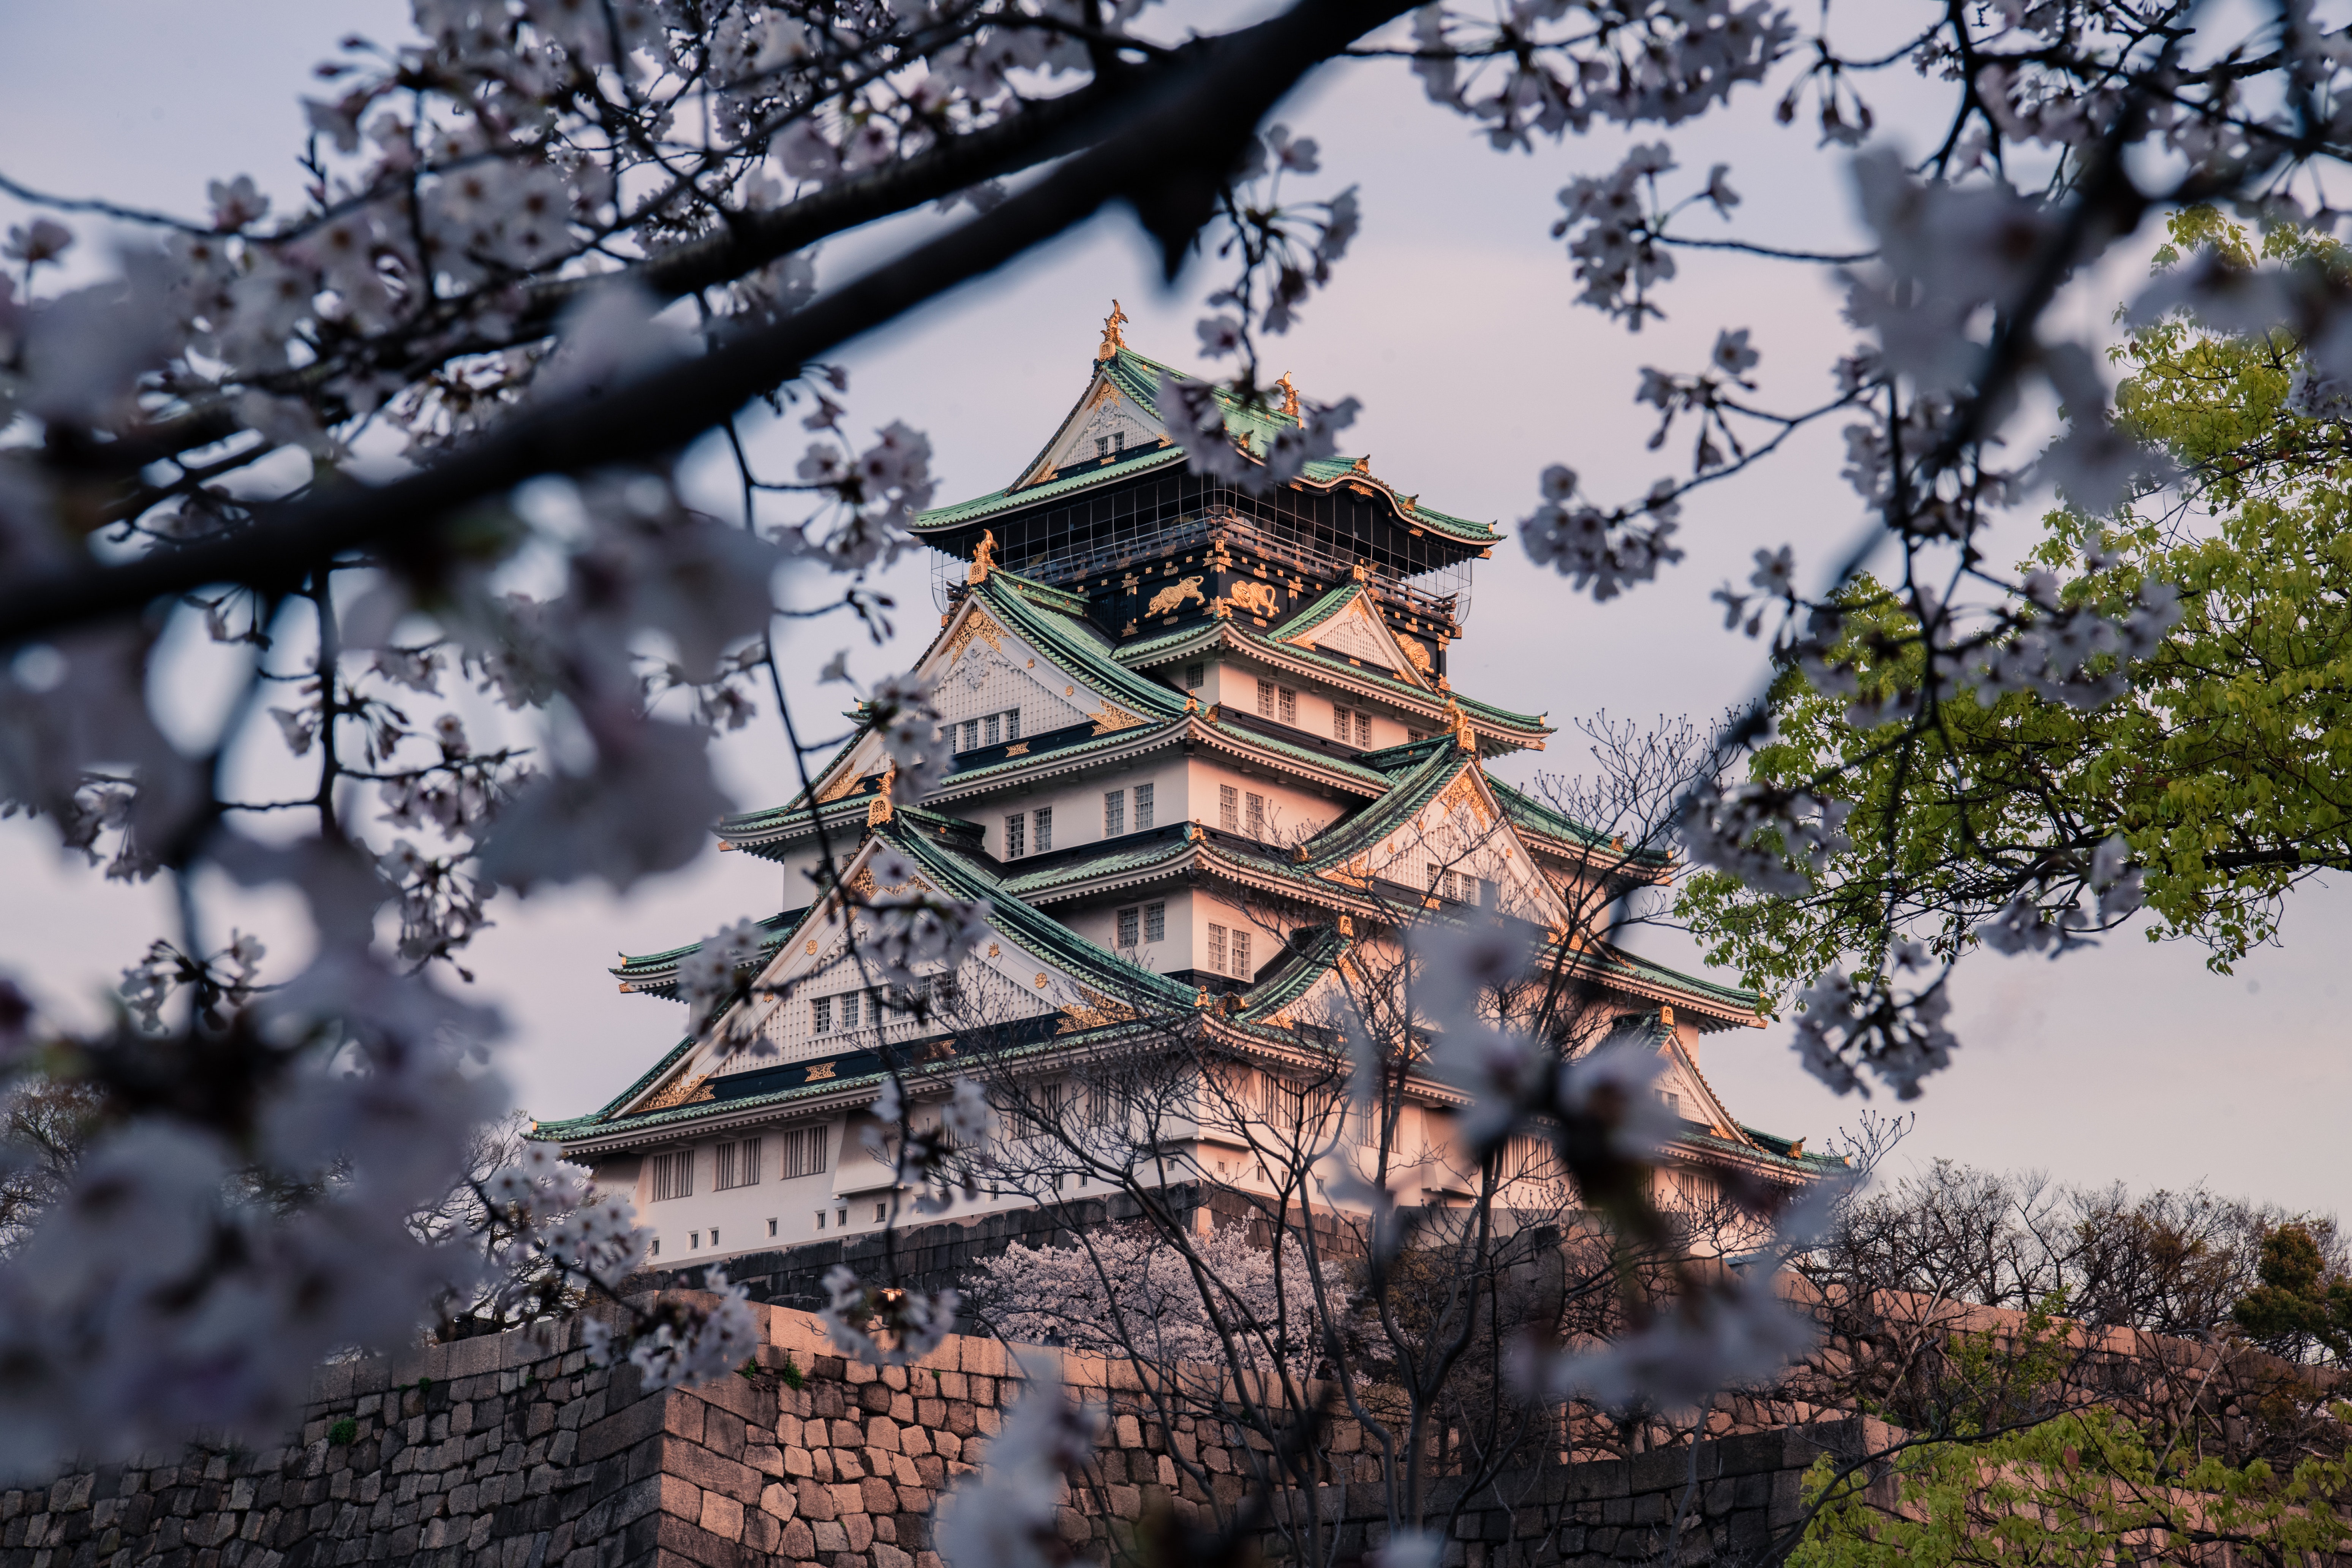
1046	130
1182	133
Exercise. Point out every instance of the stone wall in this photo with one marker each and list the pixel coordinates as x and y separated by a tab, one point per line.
513	1452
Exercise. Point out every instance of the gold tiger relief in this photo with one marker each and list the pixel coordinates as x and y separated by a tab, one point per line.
1258	598
1168	599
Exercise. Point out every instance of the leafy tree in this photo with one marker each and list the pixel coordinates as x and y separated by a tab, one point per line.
2301	1302
2086	1488
2221	770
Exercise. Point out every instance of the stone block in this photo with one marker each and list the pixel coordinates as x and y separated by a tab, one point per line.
861	1531
877	1496
711	1472
830	1536
797	1542
723	1515
783	1501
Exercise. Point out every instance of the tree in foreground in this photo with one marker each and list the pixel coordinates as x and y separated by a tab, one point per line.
565	242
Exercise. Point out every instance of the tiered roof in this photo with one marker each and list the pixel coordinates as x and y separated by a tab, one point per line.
1119	679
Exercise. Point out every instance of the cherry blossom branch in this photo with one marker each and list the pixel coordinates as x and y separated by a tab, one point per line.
1162	161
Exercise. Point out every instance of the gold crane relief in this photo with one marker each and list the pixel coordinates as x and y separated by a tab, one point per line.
1169	598
1258	598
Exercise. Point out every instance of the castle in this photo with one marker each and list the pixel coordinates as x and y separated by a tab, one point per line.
1203	759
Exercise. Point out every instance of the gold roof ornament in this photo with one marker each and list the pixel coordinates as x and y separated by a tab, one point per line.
879	812
1347	926
1460	722
983	558
1112	341
1289	394
1363	464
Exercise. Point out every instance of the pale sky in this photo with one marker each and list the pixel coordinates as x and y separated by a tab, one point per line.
1453	319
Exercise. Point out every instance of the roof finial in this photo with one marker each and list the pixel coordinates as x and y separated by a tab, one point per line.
1464	734
879	812
1289	394
983	557
1112	341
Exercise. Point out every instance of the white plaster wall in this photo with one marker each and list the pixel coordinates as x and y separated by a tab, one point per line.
985	679
1292	812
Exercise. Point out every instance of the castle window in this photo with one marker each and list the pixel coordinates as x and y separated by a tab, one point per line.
1229	808
1130	926
848	1009
656	1251
1217	949
1193	675
881	1212
1265	698
1012	724
971	733
1487	893
989	727
1340	723
737	1164
820	1219
1363	729
772	1228
673	1175
840	1218
1286	706
1256	816
1241	970
1013	835
1114	812
804	1155
1364	1125
941	991
1155	922
714	1236
693	1239
1143	807
1044	815
820	1014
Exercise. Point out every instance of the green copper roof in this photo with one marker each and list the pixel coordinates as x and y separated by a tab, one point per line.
1530	813
1306	962
980	508
1329	603
1138	379
1183	640
1016	602
656	973
1407	795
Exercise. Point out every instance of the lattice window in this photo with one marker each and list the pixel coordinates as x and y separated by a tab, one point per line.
1155	922
1229	808
1142	808
1130	927
1241	948
737	1164
1217	948
1015	836
1114	812
673	1175
1044	824
805	1149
